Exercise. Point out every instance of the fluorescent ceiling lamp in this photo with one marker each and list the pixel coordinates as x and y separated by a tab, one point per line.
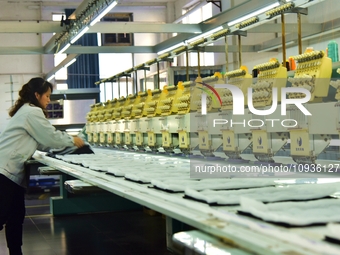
70	63
113	4
64	48
171	48
250	15
204	35
275	47
80	34
51	77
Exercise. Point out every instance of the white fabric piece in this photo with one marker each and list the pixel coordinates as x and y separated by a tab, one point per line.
120	171
77	184
269	194
101	164
212	184
144	173
147	177
333	230
294	213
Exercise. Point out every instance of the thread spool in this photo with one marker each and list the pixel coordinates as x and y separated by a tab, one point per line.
255	73
292	63
333	51
309	49
286	64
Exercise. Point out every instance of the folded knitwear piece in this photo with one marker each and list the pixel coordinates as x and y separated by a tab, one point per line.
86	149
292	214
211	184
267	194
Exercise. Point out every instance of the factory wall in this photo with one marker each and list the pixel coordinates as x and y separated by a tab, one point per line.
16	69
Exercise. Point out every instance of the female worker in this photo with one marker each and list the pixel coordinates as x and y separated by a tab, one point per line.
27	130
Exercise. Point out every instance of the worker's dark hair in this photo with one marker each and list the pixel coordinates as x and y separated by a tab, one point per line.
27	94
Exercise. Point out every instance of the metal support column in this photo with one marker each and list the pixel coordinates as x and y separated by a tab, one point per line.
145	88
226	54
158	81
239	50
283	39
127	85
187	64
118	87
299	33
198	63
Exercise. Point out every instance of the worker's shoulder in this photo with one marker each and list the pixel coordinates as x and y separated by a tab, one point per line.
30	109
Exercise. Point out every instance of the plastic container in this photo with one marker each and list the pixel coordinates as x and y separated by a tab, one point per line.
333	51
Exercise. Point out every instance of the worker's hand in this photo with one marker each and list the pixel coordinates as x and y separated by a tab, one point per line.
78	141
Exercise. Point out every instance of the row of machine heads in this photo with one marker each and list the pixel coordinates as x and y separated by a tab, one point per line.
182	118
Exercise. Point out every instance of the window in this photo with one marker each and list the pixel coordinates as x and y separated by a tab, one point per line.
62	86
55	110
58	16
117	38
118	62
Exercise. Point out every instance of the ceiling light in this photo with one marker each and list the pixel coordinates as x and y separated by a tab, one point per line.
70	63
204	35
62	64
80	34
51	77
181	44
171	48
64	48
255	13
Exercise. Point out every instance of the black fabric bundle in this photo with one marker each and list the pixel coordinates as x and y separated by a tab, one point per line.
86	149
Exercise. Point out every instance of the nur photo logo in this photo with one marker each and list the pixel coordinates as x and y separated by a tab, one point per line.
238	99
239	105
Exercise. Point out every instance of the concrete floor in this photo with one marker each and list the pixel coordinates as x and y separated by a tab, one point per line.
123	233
